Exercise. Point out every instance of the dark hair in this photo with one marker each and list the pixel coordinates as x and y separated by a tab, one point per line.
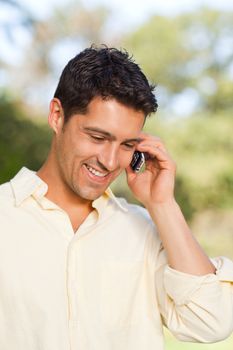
105	72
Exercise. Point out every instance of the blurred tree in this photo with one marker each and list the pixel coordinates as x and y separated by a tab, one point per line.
22	17
72	24
14	19
54	40
22	142
189	54
202	147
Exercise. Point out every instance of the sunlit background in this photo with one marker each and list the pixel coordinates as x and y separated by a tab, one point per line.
185	47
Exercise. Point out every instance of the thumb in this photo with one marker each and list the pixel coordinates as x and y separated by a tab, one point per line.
130	174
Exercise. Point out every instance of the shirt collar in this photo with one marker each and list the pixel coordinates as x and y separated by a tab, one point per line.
27	183
116	200
108	197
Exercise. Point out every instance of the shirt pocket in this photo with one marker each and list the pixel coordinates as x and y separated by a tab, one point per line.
121	293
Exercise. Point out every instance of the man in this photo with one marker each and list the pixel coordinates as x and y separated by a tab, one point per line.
83	270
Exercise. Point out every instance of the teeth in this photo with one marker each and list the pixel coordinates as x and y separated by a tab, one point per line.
95	172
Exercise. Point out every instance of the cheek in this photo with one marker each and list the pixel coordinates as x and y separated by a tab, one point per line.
126	159
77	149
67	156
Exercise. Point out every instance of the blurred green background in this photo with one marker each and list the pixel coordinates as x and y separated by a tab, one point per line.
187	54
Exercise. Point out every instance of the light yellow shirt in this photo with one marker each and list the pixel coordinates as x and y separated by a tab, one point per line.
107	287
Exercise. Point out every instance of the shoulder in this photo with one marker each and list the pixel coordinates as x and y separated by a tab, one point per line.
134	215
7	204
135	210
135	221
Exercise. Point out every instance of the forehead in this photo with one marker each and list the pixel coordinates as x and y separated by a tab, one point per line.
111	116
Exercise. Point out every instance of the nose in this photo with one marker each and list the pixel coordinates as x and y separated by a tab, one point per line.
109	157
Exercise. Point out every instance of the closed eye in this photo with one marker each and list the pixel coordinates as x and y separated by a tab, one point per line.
97	137
129	145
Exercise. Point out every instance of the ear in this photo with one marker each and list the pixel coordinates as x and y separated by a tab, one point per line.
56	115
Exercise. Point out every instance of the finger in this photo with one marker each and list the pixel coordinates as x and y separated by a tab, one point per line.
157	156
153	150
153	141
130	174
147	137
129	170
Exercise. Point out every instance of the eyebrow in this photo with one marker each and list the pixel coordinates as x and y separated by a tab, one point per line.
108	134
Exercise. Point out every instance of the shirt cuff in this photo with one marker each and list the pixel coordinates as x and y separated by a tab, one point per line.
181	286
224	268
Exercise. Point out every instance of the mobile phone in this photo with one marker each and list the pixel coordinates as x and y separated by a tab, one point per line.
137	161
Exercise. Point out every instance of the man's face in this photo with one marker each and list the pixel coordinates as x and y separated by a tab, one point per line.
93	149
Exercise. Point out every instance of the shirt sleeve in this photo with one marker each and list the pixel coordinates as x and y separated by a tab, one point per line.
196	308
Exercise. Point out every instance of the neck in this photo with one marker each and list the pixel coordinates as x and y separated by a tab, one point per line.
59	193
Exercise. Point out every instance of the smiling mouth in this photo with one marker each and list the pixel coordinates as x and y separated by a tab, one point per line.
96	172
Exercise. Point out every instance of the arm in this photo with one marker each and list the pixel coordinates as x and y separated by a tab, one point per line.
197	308
183	252
155	189
195	298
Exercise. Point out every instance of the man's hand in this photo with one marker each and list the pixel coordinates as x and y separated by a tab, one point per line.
155	189
156	183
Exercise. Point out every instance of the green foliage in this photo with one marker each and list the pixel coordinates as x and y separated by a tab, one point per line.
158	48
189	52
202	147
22	142
173	344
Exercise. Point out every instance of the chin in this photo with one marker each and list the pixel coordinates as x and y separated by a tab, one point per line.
89	195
